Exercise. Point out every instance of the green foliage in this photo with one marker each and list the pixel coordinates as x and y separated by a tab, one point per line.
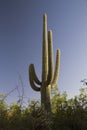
14	116
70	114
67	114
3	115
58	101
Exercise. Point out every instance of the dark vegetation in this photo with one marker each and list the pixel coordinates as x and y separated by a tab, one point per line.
67	114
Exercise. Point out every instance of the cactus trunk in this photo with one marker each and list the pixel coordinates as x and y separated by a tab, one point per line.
49	76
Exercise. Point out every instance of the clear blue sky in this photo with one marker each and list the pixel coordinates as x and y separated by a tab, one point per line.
21	42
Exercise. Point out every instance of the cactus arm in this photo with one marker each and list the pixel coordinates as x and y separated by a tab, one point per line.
50	57
32	82
35	78
44	50
57	67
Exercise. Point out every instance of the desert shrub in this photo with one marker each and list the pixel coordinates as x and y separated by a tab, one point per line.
70	114
67	114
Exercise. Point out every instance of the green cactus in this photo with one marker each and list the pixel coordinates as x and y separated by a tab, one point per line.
49	76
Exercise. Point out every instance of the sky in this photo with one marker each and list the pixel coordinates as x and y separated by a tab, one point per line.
21	43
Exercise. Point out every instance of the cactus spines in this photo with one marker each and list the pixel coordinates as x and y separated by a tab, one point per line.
49	75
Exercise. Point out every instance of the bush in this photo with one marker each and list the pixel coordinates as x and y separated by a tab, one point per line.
67	114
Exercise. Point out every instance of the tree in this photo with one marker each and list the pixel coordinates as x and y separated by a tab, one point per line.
70	114
3	114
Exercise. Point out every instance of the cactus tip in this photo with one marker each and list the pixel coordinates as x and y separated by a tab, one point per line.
58	51
45	15
50	33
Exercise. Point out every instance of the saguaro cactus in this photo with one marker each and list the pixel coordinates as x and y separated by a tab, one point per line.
49	76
